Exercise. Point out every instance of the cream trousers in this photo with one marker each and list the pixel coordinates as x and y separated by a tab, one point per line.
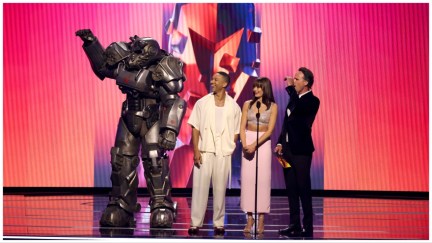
216	169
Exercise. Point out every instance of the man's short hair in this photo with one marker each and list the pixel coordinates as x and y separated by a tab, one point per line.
308	76
225	76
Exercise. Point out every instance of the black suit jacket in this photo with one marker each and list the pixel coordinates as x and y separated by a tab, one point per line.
299	124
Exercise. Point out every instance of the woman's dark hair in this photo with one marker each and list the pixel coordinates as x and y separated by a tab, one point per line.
265	84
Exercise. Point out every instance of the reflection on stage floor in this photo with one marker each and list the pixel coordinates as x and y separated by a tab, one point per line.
77	216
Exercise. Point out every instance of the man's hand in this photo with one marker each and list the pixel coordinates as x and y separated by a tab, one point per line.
167	140
278	150
86	35
289	80
197	158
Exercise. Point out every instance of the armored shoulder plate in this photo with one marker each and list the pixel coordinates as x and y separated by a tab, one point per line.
168	69
116	52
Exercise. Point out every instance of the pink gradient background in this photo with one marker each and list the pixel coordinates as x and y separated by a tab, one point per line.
370	63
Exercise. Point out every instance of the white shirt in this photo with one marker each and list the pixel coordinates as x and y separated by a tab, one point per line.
300	95
203	118
218	113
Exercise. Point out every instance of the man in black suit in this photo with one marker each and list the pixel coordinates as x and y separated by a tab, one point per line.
296	146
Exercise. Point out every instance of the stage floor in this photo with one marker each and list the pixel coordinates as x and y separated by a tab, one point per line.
77	216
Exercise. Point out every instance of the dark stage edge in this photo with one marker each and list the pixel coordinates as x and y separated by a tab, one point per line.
230	192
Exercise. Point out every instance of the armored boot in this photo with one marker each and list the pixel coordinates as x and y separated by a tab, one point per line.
123	199
159	185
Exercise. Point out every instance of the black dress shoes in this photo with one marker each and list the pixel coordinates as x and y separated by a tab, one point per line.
193	230
291	231
219	230
307	232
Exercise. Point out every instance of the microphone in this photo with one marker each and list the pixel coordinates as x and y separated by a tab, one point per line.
258	105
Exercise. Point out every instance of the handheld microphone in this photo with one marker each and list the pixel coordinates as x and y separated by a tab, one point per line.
258	105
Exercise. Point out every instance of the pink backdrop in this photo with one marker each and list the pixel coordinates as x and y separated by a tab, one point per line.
370	62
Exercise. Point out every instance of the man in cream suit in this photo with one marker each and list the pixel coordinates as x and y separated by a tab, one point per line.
215	121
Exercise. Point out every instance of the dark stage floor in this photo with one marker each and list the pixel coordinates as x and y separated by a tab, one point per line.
77	216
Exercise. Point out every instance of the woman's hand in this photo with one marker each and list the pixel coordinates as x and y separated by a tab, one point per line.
249	149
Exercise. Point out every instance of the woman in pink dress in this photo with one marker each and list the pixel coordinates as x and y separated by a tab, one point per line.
263	96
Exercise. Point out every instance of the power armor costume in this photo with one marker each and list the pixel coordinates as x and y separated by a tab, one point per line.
151	117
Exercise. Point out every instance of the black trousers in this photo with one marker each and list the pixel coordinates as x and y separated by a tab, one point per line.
298	186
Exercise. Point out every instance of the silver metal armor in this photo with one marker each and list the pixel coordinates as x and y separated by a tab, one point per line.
150	120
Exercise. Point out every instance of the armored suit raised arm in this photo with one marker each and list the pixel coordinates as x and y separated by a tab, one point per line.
150	120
